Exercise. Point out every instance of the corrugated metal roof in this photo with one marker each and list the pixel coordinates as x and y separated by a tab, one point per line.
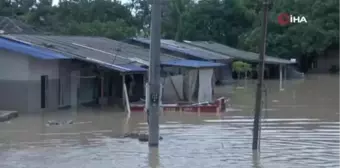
32	48
134	68
192	64
236	53
121	68
186	49
99	48
29	50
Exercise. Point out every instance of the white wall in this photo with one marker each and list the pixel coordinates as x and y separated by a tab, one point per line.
37	68
65	70
20	85
13	66
13	81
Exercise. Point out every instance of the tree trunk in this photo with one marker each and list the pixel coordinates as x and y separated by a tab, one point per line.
178	36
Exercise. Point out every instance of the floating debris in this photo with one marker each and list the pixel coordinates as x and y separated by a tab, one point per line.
143	137
53	122
8	115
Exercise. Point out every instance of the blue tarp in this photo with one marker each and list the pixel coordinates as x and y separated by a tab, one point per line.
29	50
192	64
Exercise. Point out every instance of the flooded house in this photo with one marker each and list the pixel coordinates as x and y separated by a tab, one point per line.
275	67
44	73
328	62
187	51
215	52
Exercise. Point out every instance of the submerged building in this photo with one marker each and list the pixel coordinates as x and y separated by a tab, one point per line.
45	73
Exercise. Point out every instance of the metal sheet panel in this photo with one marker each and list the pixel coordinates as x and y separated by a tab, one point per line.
236	53
100	48
29	50
192	64
117	67
44	53
184	48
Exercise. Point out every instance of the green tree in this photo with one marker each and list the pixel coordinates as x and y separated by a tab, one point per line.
312	38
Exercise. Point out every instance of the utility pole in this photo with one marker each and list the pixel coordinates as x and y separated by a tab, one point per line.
154	73
258	103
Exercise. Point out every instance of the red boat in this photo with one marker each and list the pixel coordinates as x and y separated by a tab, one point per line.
215	107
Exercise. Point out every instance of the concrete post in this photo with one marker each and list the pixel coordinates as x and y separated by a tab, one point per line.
154	73
258	103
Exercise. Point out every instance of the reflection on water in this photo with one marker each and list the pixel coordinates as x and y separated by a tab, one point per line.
300	130
153	157
256	159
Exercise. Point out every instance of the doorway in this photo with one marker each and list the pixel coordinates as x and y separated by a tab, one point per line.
43	91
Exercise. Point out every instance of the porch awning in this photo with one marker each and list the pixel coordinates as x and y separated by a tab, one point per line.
124	68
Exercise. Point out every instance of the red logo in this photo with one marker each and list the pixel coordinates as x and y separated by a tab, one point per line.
283	19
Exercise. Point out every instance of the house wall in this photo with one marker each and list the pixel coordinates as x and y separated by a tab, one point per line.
37	68
325	62
65	69
14	72
20	82
75	87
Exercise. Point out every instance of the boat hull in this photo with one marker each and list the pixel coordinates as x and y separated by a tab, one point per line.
217	107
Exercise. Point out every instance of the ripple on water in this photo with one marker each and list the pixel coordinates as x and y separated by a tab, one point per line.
215	144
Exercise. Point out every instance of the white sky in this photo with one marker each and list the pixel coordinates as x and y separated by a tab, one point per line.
56	1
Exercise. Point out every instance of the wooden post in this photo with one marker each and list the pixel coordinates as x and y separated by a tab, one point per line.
147	98
160	99
284	76
102	86
199	110
281	77
127	101
123	94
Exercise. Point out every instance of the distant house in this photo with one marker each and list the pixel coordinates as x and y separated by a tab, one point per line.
183	50
10	25
326	63
275	67
212	51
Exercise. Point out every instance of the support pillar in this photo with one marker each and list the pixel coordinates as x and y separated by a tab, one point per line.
285	76
123	94
160	98
74	88
154	73
102	100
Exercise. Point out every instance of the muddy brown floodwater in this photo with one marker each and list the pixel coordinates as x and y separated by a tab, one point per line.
300	130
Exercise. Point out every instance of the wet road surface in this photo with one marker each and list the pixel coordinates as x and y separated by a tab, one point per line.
300	130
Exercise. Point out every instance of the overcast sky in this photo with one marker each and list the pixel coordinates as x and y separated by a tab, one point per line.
56	1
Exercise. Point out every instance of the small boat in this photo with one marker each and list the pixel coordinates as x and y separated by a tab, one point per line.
217	106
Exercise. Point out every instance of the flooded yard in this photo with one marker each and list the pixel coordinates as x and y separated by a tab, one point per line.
300	130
